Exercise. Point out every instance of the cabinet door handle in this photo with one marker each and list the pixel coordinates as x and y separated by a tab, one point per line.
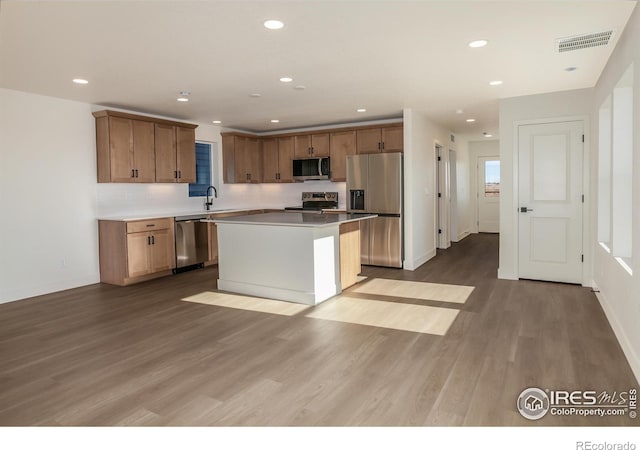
137	173
148	240
175	174
383	146
153	240
179	173
133	173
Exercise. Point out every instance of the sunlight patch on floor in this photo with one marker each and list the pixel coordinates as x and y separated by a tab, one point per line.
376	313
416	289
247	303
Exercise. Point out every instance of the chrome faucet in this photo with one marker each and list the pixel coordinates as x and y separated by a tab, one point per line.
209	202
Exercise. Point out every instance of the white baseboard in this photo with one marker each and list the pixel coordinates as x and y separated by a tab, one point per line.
463	235
625	343
413	265
26	292
289	295
504	275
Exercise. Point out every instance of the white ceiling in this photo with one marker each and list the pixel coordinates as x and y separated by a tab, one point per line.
380	55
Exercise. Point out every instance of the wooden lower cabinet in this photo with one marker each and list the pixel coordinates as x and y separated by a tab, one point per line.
136	251
213	244
350	266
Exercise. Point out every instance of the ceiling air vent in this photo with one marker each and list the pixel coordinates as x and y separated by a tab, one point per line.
571	43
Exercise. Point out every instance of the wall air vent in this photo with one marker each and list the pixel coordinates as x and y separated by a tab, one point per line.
571	43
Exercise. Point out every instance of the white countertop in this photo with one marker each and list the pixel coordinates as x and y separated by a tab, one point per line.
145	216
293	219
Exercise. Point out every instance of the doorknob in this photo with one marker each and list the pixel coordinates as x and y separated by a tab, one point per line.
524	209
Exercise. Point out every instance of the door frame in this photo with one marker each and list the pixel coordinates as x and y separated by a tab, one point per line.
442	183
477	189
586	190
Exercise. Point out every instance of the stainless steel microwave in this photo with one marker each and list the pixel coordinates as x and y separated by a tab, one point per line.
311	169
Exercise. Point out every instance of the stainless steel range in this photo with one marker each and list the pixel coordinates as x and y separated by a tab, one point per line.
316	202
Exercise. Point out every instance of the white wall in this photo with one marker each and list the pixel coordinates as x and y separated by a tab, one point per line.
463	190
48	231
557	105
476	150
420	137
619	291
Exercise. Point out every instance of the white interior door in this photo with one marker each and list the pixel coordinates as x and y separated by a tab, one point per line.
489	194
550	201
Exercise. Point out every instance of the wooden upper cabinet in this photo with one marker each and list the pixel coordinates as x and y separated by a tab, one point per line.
228	159
140	149
393	139
125	150
175	154
368	140
277	154
186	154
343	143
302	146
253	160
120	142
242	159
383	139
320	144
311	145
285	159
144	154
270	163
165	137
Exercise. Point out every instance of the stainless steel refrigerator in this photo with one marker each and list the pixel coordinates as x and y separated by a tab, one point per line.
374	185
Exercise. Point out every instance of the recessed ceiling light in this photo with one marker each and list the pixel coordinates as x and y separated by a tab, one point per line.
459	111
217	121
273	24
286	79
300	87
275	121
255	95
495	83
479	43
471	120
80	81
361	110
487	135
182	99
571	69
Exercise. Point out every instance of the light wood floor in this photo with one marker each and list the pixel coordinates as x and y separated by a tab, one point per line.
138	355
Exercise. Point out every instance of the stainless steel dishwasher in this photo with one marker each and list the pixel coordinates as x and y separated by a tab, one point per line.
192	242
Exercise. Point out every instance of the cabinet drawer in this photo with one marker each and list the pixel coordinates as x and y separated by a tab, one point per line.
148	225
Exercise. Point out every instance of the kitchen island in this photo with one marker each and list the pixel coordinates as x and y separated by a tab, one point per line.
293	256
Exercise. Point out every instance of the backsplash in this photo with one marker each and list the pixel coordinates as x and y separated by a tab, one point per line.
124	198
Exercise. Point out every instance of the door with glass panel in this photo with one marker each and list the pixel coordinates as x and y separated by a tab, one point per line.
489	194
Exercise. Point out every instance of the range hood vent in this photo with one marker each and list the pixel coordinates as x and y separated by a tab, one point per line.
568	44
